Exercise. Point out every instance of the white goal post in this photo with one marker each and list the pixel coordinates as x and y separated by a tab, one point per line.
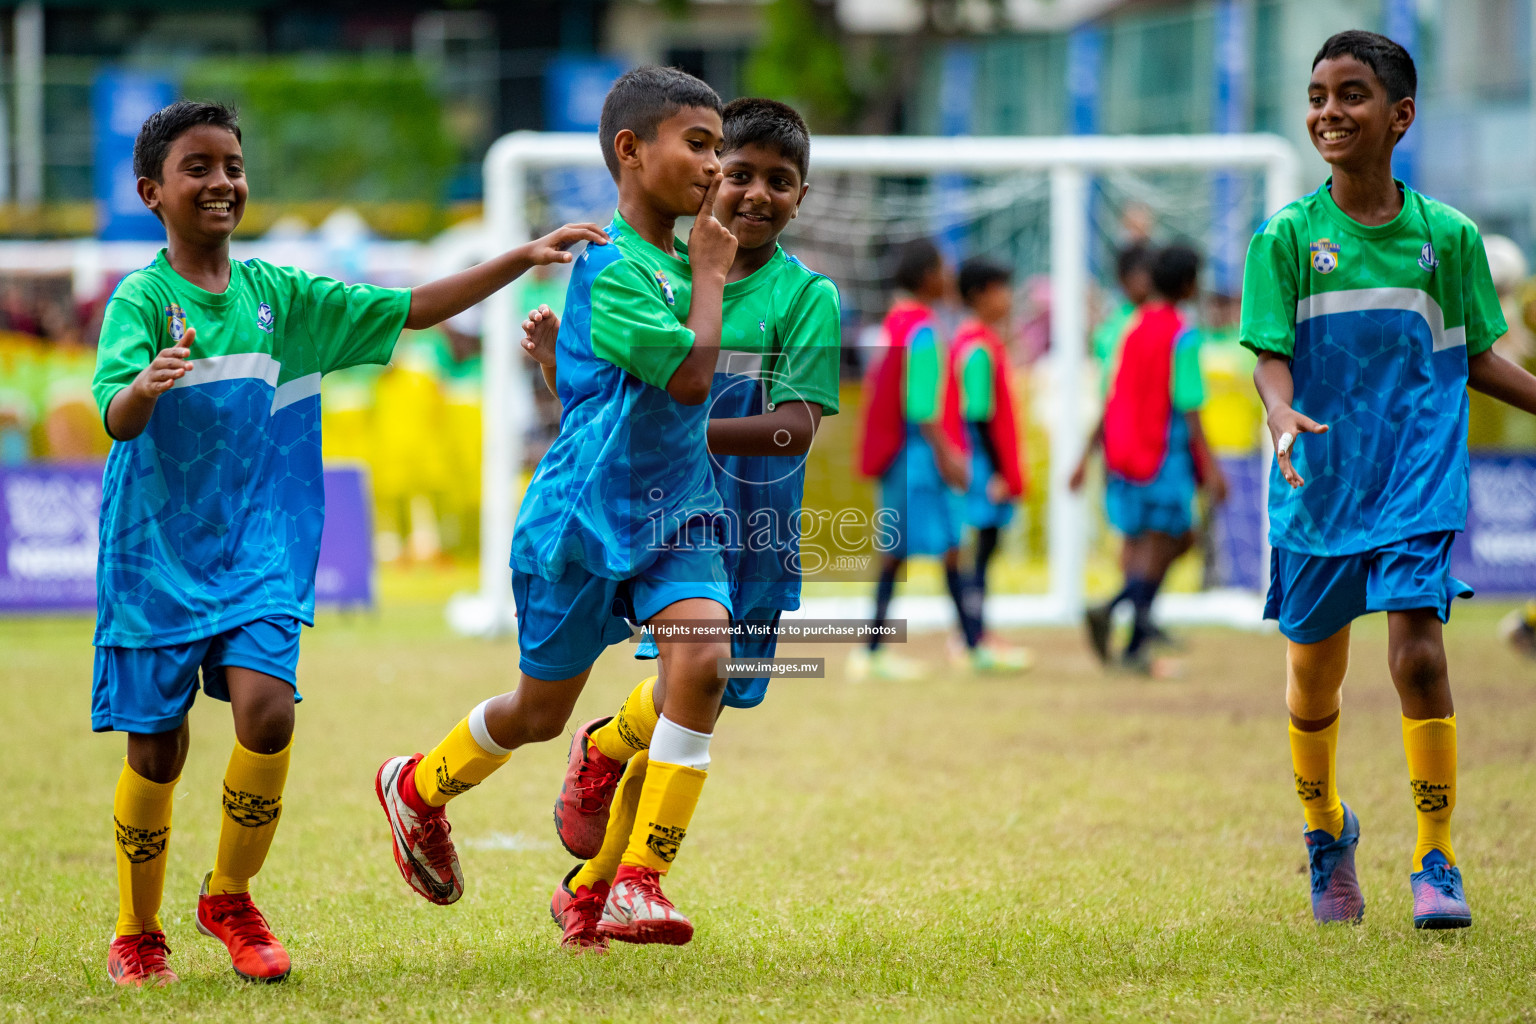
1069	162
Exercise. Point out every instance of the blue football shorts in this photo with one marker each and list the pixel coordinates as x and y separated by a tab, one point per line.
563	625
151	689
1315	596
739	693
1164	504
918	510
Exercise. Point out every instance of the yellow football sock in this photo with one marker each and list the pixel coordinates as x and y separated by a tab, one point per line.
456	765
141	821
1313	755
667	801
1430	744
253	801
630	731
621	822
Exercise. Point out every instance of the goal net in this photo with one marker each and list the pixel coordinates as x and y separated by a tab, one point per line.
1054	210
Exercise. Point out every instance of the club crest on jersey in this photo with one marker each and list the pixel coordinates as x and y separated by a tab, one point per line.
176	322
1427	261
666	288
264	317
1325	256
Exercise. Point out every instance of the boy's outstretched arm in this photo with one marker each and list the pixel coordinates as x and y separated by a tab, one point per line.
1080	471
711	249
1499	378
1276	388
436	301
129	411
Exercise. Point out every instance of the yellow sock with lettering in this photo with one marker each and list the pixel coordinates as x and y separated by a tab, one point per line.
667	801
1313	756
465	758
141	823
621	822
630	731
1430	744
253	801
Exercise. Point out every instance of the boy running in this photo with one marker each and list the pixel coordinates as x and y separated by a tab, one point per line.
619	522
776	377
978	361
208	377
1154	451
914	444
1371	309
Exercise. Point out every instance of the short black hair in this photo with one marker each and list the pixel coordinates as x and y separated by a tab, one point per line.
978	274
751	121
168	124
914	261
1392	64
1174	269
1131	258
643	98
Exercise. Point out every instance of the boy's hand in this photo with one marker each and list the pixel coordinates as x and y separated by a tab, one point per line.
952	467
1286	426
539	332
552	247
997	489
169	366
1079	475
711	247
1216	484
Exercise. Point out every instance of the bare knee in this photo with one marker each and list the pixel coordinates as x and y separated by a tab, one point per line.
265	724
1417	663
698	664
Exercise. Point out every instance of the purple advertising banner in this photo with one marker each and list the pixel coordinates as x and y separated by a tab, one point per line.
49	514
48	517
1497	554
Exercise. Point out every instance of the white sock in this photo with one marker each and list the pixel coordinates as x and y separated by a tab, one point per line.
675	744
482	735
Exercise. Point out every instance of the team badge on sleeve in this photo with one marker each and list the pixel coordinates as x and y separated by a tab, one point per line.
666	288
1325	256
176	322
264	317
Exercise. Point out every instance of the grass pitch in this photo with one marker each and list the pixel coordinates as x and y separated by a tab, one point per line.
1065	846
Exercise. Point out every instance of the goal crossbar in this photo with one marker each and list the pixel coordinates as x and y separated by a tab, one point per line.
1069	160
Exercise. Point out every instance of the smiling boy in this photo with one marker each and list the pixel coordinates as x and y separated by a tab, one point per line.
776	377
619	521
1371	309
208	378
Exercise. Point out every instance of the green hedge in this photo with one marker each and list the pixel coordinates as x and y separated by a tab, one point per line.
352	129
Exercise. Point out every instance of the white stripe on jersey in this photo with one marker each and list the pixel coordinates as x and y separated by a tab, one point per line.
243	365
1408	300
251	366
299	388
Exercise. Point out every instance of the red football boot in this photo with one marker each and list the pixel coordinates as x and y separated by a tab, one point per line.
234	920
638	911
577	914
581	809
139	960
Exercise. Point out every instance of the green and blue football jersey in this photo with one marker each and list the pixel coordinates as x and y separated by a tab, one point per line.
211	517
1378	323
631	464
781	341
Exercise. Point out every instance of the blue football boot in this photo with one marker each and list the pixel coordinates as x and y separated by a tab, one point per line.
1438	900
1336	896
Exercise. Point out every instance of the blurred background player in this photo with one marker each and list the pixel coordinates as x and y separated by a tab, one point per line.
213	503
1367	400
776	377
979	364
914	444
1154	451
620	520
